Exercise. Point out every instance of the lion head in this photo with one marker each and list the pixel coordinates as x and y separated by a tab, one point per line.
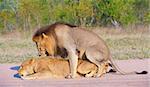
27	68
46	40
45	44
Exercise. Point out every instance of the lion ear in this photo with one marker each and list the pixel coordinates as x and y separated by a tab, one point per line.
32	61
44	35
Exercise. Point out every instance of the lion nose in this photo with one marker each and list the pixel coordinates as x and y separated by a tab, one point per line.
21	74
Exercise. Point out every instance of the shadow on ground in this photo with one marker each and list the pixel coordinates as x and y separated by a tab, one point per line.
15	68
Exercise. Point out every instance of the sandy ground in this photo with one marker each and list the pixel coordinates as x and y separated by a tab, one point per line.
9	78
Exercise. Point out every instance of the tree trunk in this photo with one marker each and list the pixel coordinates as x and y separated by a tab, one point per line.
17	20
5	24
29	22
38	21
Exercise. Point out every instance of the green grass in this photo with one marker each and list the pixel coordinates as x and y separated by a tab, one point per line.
17	47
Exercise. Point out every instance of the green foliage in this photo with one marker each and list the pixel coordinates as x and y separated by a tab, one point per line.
147	18
142	9
27	14
120	11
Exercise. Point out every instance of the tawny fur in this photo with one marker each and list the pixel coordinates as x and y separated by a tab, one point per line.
72	39
47	67
51	39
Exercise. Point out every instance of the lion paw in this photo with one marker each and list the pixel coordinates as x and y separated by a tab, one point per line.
68	76
88	76
28	78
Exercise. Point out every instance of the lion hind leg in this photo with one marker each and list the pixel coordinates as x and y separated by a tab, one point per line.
95	56
86	68
103	69
92	72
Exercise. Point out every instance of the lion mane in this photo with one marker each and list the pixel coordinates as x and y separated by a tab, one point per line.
49	30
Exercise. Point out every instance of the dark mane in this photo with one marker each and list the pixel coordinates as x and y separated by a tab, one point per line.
49	29
70	25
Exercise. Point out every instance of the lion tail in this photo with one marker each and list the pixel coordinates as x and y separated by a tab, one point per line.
115	66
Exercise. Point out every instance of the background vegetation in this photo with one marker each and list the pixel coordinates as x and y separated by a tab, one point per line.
28	14
123	24
16	47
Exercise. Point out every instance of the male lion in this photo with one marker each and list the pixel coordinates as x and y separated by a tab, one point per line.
48	67
74	40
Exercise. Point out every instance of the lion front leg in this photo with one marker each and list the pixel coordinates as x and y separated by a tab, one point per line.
39	75
73	60
29	77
